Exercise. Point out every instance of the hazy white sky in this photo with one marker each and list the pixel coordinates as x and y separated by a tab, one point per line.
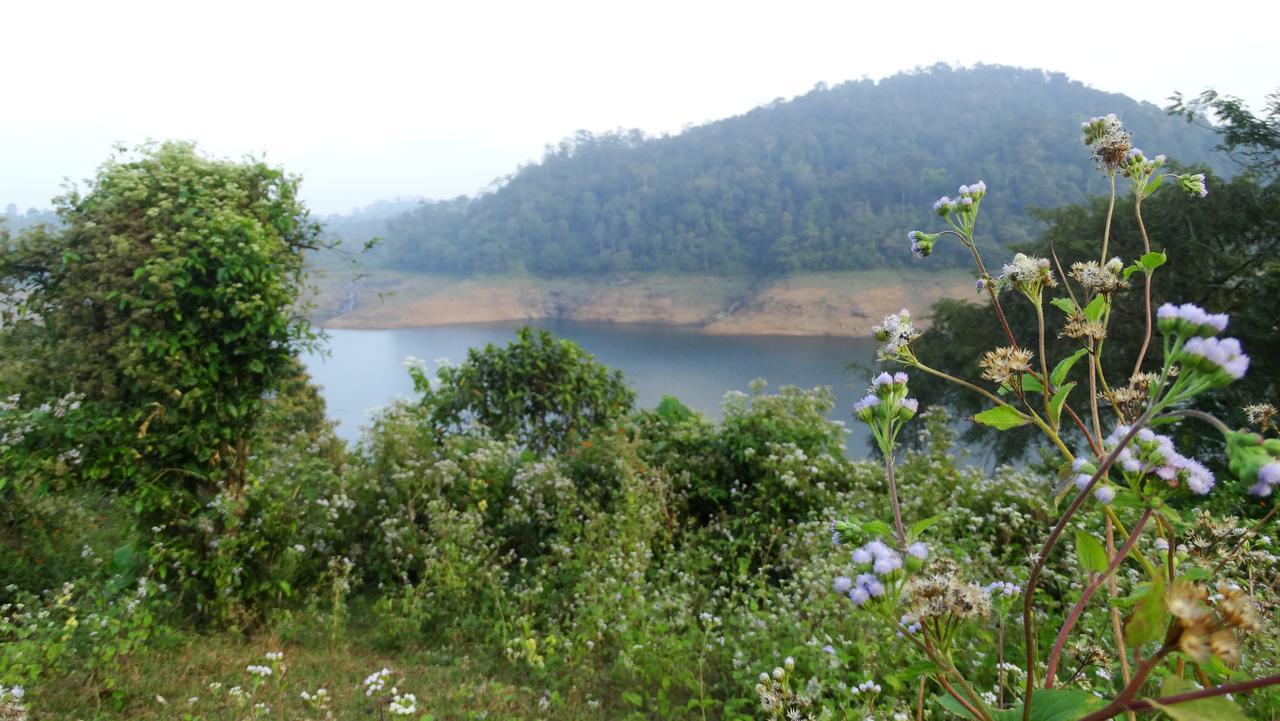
376	99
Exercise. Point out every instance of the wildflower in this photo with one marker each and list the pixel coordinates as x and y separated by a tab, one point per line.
1078	326
1260	414
1211	355
944	205
1194	183
376	681
1028	274
1003	365
1095	278
1268	476
259	671
942	594
980	284
403	704
1105	495
895	334
1190	319
919	549
842	584
1109	141
910	623
1004	588
922	243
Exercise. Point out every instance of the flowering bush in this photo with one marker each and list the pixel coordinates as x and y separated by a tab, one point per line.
1183	622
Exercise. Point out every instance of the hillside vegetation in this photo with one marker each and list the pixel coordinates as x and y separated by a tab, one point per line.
825	181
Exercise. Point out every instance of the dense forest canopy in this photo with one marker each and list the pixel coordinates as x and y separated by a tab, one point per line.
827	180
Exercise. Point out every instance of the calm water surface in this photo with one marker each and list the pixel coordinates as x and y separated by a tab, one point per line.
365	368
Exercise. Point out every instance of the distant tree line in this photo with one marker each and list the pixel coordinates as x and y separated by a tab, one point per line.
826	181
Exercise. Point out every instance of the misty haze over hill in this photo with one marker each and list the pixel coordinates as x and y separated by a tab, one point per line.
828	180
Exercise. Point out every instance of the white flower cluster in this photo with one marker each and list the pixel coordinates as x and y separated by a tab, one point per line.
1028	274
894	333
376	681
403	704
259	671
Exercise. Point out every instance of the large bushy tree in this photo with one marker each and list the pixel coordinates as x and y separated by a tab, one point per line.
168	297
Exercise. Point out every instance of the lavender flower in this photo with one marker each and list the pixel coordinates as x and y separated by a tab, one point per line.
1105	494
1190	319
1268	476
1211	354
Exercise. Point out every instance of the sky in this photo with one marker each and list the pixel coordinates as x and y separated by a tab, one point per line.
375	99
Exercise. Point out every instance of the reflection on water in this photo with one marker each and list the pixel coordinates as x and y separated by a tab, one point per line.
365	368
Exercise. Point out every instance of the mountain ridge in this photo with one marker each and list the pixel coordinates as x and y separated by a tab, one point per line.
828	180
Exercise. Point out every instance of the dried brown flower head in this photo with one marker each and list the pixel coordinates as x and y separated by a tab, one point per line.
1077	326
942	593
1261	415
1109	140
1201	630
1005	365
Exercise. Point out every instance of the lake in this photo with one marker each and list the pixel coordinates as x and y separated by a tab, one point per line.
364	369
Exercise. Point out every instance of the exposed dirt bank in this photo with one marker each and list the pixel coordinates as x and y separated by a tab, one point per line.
842	304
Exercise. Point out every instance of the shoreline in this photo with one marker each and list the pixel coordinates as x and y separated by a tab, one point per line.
842	304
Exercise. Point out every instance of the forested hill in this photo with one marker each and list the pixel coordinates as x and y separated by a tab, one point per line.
831	179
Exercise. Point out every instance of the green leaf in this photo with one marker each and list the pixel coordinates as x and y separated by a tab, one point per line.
1030	384
921	526
1214	708
923	667
633	698
876	528
1066	305
1093	311
1196	573
1060	704
1148	620
953	706
1152	260
1059	372
1090	553
1058	399
1152	186
1002	418
1056	704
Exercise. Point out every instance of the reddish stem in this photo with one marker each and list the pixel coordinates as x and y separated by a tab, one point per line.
1056	655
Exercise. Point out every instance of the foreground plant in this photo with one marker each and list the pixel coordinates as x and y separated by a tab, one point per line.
1186	624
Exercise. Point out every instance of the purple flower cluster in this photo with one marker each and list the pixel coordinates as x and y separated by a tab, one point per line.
888	393
1190	319
1003	588
1268	476
1211	354
1154	454
879	556
883	560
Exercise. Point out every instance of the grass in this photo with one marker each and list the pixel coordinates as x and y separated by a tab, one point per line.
158	684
